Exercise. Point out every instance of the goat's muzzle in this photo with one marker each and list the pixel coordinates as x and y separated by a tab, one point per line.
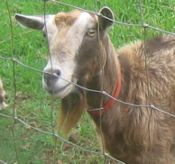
55	84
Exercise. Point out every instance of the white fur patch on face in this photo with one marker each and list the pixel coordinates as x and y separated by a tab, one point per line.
62	59
61	86
83	21
79	28
50	29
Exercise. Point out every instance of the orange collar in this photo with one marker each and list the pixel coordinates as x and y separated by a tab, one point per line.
109	103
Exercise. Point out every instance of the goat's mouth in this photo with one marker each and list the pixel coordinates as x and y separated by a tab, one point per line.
57	90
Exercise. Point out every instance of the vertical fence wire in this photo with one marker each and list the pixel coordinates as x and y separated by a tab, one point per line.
52	105
141	11
14	82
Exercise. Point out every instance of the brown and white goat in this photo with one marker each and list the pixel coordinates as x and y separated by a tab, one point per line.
2	96
81	52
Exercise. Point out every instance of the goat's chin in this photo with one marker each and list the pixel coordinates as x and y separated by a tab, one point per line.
59	92
64	92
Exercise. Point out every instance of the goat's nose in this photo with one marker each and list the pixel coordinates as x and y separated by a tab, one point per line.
50	76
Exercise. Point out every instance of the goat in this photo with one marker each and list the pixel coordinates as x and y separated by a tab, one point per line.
3	105
82	54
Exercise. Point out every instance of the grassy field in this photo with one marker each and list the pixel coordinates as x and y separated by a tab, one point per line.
19	144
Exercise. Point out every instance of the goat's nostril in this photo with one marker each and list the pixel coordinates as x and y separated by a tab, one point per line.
57	72
51	75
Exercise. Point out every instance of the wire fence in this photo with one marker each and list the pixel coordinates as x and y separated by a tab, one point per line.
13	59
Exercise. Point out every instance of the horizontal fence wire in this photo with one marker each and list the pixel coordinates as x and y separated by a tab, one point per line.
17	118
89	89
143	25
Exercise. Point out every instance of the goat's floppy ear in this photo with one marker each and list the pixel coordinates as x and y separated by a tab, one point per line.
34	22
104	22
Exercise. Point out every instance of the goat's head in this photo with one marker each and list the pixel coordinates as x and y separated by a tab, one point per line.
76	43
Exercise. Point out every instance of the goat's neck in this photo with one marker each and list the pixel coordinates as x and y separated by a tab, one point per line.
105	80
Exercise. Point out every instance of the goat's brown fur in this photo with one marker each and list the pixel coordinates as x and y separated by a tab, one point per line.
72	109
66	18
140	135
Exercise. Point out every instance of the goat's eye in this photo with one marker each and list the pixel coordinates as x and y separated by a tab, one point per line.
91	32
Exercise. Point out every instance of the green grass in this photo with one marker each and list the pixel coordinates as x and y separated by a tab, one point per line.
25	145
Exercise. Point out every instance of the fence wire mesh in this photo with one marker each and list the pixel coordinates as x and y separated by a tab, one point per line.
12	60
